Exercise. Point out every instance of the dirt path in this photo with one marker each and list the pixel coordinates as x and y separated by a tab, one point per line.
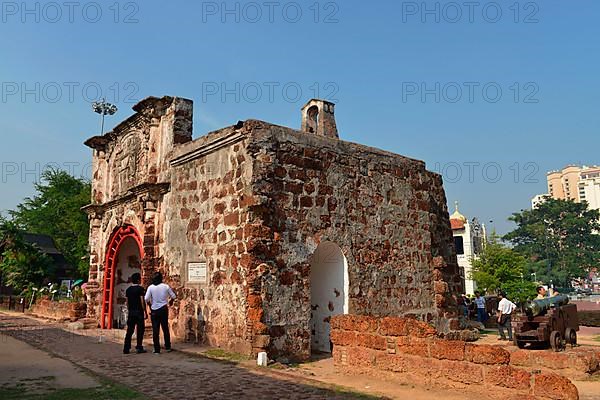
181	375
22	365
166	376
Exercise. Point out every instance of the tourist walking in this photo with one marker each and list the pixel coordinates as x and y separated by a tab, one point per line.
159	296
136	314
505	310
480	304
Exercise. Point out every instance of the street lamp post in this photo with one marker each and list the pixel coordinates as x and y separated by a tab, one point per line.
103	108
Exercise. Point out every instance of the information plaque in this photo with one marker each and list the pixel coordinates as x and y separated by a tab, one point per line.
196	272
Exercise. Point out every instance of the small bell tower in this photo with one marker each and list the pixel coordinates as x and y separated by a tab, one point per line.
318	117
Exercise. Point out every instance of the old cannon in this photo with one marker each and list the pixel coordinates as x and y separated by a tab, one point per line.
549	321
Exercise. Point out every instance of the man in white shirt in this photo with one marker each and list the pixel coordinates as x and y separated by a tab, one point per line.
505	309
158	295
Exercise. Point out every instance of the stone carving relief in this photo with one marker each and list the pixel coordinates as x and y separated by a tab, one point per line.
127	160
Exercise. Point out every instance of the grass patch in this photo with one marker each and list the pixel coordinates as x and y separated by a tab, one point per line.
220	354
107	391
283	366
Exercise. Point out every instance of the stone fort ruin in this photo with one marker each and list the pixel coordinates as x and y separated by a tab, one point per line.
265	232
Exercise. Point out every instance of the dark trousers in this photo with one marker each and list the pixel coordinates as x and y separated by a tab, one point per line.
481	315
134	322
505	324
160	319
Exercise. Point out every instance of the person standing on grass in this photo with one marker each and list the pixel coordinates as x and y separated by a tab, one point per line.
136	314
505	310
480	304
159	296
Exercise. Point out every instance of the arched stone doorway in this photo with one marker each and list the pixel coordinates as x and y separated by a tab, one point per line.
329	286
123	258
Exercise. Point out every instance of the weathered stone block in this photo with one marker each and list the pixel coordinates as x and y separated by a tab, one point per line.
392	362
413	346
521	358
551	359
419	328
232	219
440	287
361	357
486	354
447	349
343	338
555	387
393	326
359	323
371	341
507	376
261	341
457	371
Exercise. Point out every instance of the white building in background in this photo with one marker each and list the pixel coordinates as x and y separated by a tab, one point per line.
589	187
469	238
538	199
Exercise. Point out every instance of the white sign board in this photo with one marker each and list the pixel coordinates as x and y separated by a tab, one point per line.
196	272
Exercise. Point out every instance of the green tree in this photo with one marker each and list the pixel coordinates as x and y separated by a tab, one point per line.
499	267
559	238
55	210
21	264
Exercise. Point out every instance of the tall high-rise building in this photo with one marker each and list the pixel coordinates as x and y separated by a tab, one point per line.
563	184
574	183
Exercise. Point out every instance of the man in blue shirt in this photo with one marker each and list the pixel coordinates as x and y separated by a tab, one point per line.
480	303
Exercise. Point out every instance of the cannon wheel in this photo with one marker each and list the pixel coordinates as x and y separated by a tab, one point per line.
556	341
571	336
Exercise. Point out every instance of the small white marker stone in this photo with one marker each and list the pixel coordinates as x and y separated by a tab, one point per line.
262	360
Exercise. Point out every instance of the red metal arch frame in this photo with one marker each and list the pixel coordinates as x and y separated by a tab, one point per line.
110	265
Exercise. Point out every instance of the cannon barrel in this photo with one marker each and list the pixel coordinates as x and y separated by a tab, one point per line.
540	306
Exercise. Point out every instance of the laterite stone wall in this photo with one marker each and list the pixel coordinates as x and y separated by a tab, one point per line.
408	350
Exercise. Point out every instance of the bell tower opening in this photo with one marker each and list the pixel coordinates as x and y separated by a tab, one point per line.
318	118
313	119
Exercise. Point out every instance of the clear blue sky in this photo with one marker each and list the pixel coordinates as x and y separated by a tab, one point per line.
373	58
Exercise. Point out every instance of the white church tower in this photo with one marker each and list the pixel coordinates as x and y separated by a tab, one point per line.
469	238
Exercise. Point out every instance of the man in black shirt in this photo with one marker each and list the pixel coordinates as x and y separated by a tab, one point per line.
136	307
